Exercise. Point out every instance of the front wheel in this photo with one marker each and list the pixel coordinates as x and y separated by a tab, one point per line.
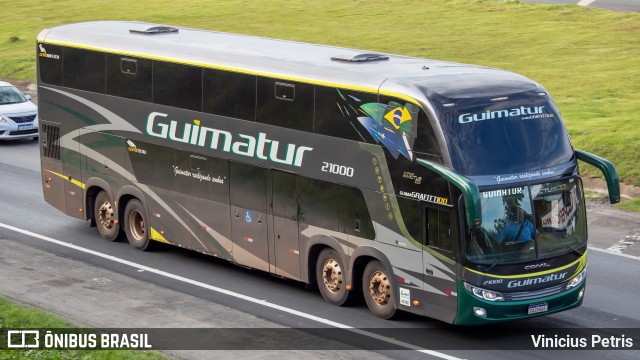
105	215
378	290
136	225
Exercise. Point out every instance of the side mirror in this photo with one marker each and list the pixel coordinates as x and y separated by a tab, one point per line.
608	170
469	190
28	97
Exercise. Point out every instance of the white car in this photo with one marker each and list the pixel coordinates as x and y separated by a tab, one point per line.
18	115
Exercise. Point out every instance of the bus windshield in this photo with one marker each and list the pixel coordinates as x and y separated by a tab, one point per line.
510	136
529	223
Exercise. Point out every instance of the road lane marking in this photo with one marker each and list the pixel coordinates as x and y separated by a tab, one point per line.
586	2
624	243
231	293
614	253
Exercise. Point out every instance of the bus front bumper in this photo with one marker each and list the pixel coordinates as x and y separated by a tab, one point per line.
498	311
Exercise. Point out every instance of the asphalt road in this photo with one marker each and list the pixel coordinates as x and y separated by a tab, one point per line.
618	5
612	299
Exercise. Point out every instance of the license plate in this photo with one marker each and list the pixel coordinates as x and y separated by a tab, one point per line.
25	127
538	308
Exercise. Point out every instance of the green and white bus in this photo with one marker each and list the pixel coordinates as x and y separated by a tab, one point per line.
446	190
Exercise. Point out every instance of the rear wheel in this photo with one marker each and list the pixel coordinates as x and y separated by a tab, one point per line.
331	278
378	290
105	215
136	225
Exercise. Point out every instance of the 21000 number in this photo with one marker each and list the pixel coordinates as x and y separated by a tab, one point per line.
337	169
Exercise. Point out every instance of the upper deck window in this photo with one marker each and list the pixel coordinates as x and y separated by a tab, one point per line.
287	104
84	70
177	85
336	113
129	77
50	64
229	94
426	142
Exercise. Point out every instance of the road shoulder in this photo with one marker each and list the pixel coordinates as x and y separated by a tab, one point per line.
90	296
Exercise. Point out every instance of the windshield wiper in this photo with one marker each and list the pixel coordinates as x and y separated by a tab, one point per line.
495	262
576	252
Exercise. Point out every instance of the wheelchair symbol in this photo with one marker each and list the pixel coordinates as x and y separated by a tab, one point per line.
247	216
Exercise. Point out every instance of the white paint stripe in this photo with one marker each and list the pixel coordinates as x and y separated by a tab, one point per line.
231	293
586	2
614	253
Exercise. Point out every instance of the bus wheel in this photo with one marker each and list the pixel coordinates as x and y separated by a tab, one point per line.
378	290
136	225
330	277
105	216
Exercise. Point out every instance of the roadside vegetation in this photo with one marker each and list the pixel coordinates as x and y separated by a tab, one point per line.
13	316
630	205
587	58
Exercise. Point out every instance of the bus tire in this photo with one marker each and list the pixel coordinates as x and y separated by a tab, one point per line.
105	215
378	290
136	225
331	277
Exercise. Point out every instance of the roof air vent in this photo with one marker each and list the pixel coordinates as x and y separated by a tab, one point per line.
360	58
155	30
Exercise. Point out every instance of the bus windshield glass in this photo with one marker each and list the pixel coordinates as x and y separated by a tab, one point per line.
529	223
508	136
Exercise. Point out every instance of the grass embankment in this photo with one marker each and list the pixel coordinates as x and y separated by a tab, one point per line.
13	316
630	205
589	59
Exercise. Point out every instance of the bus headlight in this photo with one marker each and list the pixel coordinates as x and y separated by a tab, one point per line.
483	293
577	280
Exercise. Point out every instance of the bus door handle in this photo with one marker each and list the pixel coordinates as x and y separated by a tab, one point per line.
237	214
259	218
428	272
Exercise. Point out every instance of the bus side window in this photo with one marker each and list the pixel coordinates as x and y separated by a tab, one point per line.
84	70
337	112
50	67
229	94
412	216
287	104
155	167
202	176
354	214
318	203
426	141
441	230
177	85
248	186
129	77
